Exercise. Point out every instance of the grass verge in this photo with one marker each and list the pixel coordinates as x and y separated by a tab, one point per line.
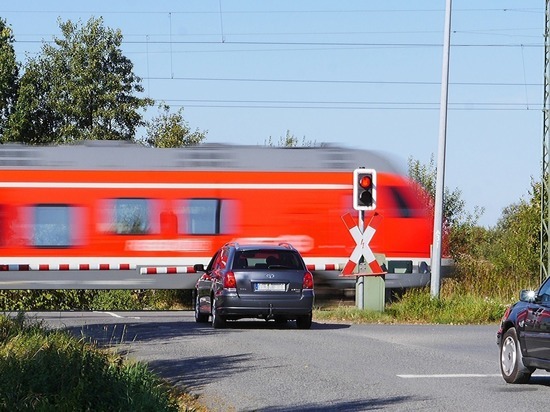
417	306
43	370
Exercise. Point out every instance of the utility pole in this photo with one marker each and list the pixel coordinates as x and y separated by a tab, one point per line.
440	178
545	184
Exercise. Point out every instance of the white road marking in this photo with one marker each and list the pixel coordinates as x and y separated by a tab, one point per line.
114	315
451	375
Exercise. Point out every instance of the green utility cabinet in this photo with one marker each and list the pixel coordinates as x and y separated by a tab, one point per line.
370	288
370	292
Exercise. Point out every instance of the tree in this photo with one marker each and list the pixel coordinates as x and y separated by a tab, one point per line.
454	207
460	226
82	87
9	75
289	140
171	130
516	246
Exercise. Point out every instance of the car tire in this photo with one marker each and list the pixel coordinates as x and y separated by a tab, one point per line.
199	317
511	360
305	321
218	322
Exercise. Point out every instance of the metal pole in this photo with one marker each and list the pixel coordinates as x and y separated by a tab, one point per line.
360	280
440	182
360	292
545	183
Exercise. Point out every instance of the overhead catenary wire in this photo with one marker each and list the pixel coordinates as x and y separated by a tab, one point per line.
228	46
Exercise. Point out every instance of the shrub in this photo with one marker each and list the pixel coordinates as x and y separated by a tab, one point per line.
51	370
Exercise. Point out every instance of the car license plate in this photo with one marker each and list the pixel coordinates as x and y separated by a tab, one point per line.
269	287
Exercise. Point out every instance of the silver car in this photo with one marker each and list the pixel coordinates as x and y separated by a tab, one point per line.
255	281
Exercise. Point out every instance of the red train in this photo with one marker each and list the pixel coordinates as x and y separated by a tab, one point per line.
123	206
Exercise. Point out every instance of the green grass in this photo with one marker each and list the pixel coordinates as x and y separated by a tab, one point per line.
44	370
417	306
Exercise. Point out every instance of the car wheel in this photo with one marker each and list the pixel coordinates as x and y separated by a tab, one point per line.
218	321
199	317
511	360
304	322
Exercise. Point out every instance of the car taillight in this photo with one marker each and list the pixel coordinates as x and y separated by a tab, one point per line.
307	282
506	313
229	281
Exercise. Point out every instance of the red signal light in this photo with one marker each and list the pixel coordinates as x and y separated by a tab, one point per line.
364	189
365	182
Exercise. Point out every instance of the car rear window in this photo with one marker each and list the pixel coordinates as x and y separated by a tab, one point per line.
267	258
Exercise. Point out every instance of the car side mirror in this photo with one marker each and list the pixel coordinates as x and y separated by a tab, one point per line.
199	267
527	295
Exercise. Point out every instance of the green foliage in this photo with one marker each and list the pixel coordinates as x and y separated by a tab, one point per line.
454	207
166	299
25	300
346	313
417	306
517	236
9	75
500	261
289	140
171	130
41	370
490	262
117	300
32	300
81	87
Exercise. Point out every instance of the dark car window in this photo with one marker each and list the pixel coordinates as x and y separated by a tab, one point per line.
544	289
543	295
214	262
267	258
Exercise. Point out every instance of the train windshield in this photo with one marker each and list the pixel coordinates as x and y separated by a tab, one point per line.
404	202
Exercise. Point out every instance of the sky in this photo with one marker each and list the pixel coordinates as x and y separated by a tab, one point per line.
356	73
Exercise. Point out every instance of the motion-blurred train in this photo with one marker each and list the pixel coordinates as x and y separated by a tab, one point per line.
113	205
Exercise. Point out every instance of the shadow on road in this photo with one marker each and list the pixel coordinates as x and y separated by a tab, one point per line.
111	334
345	406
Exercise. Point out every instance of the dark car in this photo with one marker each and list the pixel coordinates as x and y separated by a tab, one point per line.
524	335
255	281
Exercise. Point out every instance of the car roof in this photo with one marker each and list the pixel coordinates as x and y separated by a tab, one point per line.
245	247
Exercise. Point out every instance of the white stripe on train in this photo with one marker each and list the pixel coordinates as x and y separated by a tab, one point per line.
250	186
149	270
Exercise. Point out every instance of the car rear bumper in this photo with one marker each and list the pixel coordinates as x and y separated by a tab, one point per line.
234	306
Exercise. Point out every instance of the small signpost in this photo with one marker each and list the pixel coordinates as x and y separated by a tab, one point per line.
370	284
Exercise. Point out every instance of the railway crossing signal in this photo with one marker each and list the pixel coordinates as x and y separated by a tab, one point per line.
362	249
364	189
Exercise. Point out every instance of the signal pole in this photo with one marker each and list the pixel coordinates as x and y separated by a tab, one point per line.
545	184
440	178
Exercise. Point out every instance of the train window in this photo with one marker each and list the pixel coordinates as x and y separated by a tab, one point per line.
52	226
207	216
202	217
131	216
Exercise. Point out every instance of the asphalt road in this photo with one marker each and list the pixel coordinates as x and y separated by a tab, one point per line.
256	366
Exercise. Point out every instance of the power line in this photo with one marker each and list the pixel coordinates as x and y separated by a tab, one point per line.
221	104
354	81
415	10
321	44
